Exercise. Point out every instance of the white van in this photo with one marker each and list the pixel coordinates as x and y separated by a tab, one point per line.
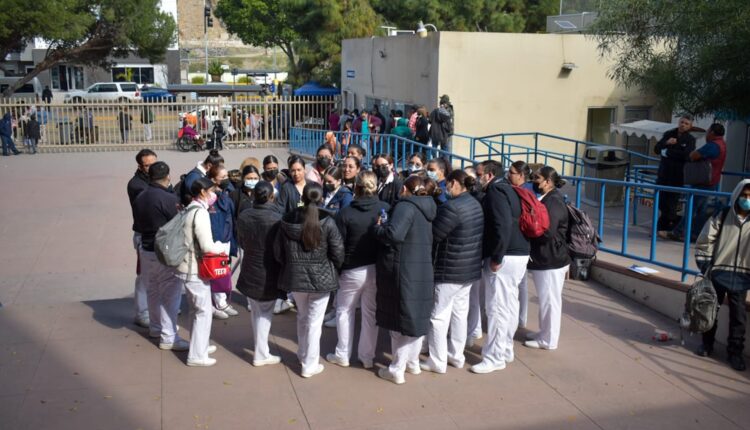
30	90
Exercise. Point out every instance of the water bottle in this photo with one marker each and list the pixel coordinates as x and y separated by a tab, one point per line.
383	216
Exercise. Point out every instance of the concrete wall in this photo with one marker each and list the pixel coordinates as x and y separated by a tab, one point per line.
497	82
503	82
400	68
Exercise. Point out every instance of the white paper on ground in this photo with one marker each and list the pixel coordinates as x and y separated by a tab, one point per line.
643	270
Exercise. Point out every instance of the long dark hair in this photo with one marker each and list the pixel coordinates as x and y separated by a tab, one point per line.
462	178
312	195
548	173
263	192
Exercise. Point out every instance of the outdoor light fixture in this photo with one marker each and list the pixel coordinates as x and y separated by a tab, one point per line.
569	66
422	29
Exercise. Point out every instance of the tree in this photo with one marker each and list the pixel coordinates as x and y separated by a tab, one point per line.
469	15
86	32
692	55
308	32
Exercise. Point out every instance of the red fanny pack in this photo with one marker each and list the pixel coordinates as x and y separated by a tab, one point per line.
214	266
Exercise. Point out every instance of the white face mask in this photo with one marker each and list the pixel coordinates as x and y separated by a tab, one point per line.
251	183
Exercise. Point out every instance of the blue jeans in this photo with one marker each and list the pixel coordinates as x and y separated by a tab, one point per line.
8	145
701	213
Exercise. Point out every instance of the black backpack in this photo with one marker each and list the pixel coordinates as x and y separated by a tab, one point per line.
182	192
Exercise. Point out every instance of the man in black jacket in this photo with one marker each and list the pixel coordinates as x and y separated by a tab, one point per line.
674	148
151	210
137	184
506	253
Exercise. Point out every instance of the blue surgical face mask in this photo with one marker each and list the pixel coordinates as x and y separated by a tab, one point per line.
432	175
251	183
744	203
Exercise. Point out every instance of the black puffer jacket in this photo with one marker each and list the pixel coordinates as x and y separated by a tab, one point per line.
457	232
314	271
257	228
502	236
550	251
355	222
404	268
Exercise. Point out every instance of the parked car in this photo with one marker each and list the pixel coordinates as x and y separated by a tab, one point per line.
106	91
156	94
29	91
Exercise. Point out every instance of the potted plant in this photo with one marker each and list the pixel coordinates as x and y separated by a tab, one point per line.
215	69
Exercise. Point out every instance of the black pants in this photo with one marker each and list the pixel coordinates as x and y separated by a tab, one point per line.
737	321
668	205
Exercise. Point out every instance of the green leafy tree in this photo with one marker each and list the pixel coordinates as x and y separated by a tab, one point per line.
469	15
308	32
87	32
692	54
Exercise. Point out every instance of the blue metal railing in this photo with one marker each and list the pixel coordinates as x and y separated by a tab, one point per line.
641	183
689	196
307	141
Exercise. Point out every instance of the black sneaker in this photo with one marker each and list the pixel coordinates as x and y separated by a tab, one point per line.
737	362
704	351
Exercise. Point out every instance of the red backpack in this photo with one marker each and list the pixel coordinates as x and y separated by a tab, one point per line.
534	219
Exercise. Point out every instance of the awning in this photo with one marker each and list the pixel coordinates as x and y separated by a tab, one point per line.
649	129
315	89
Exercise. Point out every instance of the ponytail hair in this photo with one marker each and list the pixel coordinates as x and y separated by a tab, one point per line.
312	195
416	186
263	192
463	178
548	173
214	158
432	188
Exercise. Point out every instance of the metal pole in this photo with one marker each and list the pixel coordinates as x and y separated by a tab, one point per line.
205	38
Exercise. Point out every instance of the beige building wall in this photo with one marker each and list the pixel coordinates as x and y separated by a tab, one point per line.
497	82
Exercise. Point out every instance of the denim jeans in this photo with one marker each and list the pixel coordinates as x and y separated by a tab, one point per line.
701	213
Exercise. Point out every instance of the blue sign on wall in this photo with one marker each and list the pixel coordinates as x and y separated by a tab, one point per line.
350	74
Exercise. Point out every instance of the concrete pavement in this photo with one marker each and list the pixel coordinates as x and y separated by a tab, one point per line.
71	358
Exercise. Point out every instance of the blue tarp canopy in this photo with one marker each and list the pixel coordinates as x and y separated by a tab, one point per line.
315	89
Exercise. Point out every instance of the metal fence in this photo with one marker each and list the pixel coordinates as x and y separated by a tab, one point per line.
617	224
118	124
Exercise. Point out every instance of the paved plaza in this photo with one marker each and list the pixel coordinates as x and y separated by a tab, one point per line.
70	357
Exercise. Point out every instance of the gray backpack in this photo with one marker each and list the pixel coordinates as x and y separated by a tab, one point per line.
583	239
701	307
170	243
701	303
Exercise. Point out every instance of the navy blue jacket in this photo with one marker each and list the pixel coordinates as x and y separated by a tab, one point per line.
457	236
343	198
222	221
6	126
153	208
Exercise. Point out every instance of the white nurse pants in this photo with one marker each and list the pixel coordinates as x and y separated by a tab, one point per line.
311	308
261	315
405	351
356	286
549	286
201	310
450	310
501	302
164	291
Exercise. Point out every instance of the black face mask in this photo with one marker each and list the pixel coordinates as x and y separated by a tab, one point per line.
329	187
536	188
324	162
270	175
381	172
224	184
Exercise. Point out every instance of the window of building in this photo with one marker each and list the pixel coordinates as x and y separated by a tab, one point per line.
139	75
67	78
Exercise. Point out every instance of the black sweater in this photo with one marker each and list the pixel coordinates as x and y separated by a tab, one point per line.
670	167
550	251
151	210
354	223
502	236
